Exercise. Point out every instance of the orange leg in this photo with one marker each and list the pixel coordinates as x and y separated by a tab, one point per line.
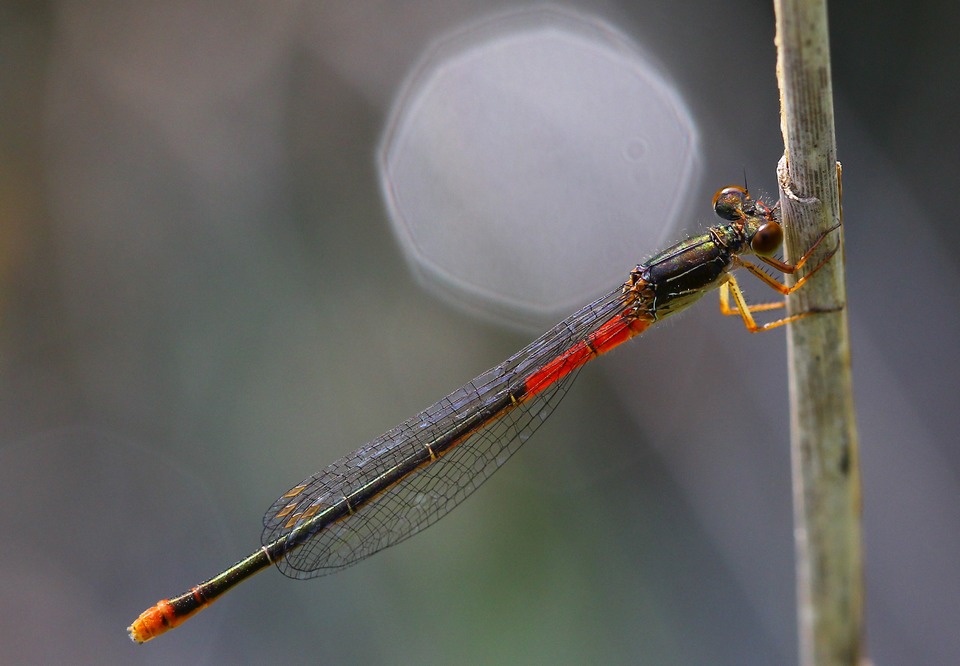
746	311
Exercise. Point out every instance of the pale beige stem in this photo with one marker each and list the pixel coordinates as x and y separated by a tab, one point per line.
826	473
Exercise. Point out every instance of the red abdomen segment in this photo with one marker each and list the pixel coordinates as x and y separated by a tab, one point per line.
611	333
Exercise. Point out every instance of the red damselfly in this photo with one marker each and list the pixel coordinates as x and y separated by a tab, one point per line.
412	475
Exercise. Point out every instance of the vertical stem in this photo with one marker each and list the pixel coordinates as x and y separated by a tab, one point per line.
826	474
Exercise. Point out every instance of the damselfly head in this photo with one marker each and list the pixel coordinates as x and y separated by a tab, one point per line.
734	204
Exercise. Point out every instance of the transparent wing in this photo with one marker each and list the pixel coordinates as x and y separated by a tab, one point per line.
479	426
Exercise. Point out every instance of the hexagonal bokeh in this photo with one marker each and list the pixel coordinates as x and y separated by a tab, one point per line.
532	160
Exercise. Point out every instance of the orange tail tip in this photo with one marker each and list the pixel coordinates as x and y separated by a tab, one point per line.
153	622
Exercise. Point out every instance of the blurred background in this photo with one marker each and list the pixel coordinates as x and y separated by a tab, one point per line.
240	239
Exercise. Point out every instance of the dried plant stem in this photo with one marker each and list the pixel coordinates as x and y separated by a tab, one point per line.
826	476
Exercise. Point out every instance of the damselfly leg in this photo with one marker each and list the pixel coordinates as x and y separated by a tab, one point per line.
740	306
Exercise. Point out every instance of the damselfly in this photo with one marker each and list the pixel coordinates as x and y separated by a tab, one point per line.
411	476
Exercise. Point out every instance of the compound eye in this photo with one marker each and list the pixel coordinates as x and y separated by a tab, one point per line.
729	202
767	240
